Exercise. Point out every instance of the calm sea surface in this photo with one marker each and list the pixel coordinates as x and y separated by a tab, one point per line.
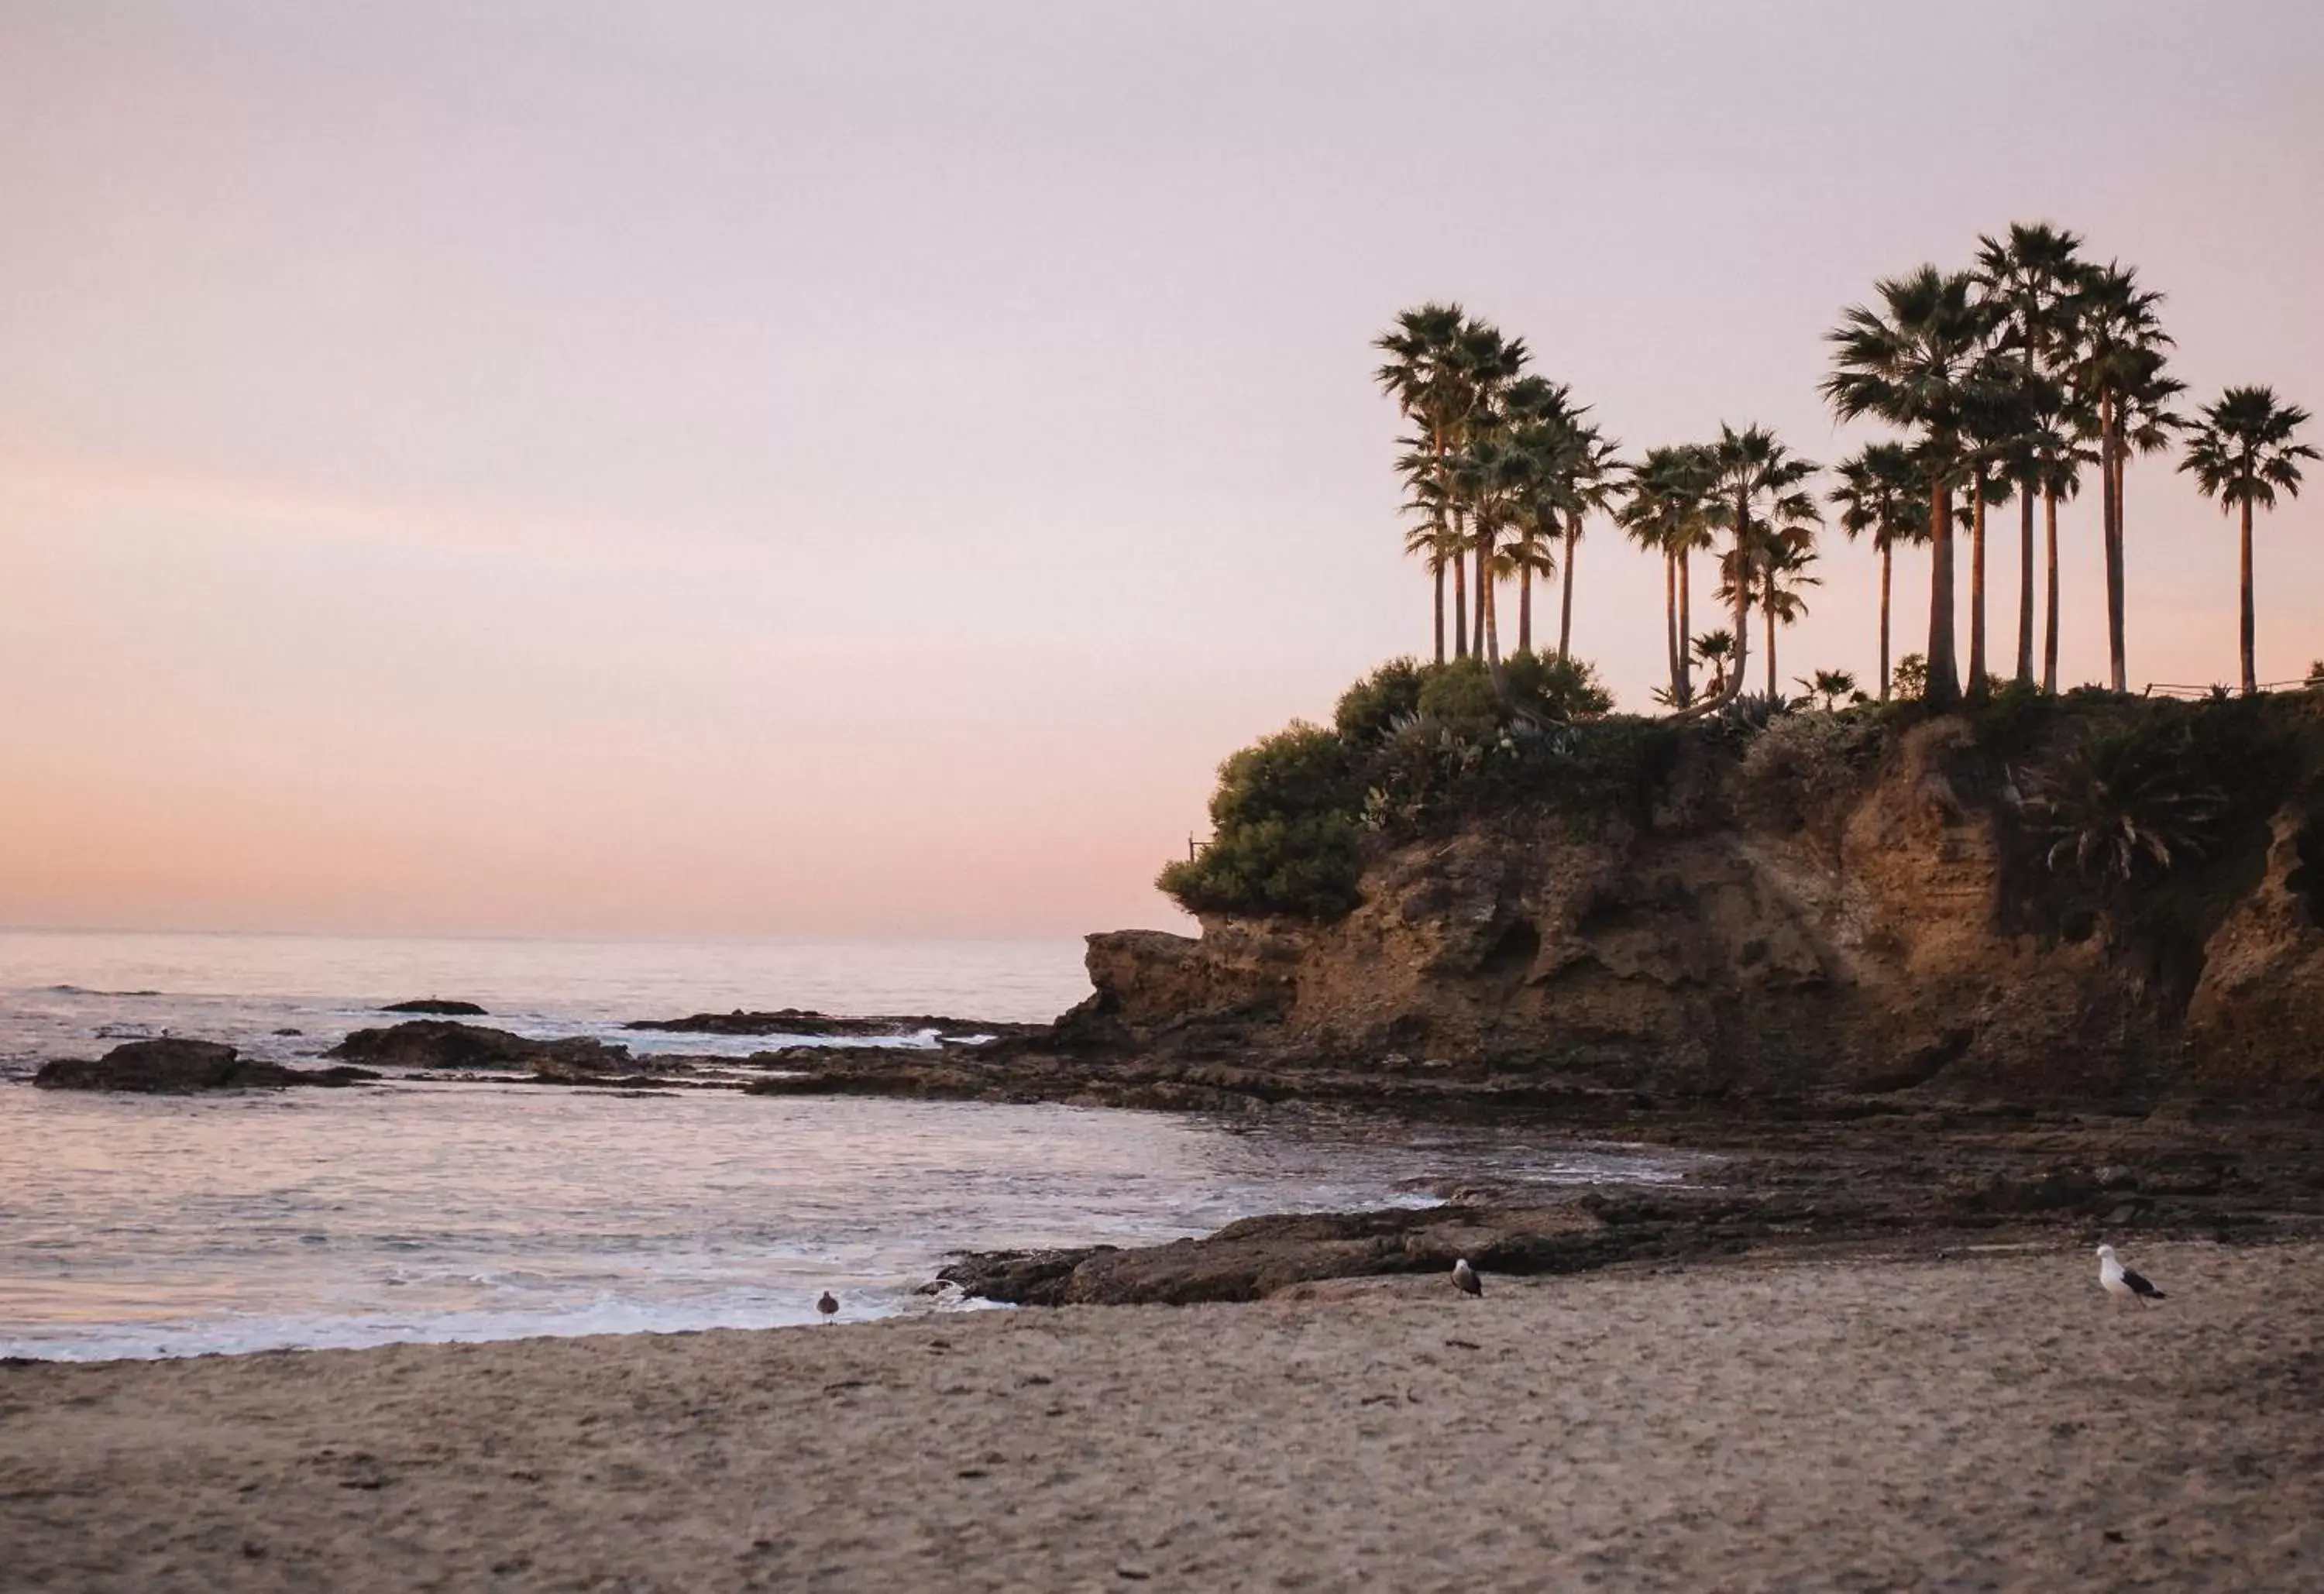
156	1225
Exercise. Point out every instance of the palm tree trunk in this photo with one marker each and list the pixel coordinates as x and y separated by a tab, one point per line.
1460	597
1670	623
2026	580
2110	515
1440	610
1945	668
1770	616
2050	600
1565	597
1731	687
2251	675
1484	597
1685	638
1887	567
1977	670
1525	608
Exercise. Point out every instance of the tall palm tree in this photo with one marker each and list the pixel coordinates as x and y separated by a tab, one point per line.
1423	377
1911	363
2059	453
2119	376
1430	535
1759	499
1594	479
1539	416
1664	511
1881	494
2241	453
1485	363
2029	280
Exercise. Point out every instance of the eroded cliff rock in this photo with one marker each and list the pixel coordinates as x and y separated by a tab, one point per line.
1815	913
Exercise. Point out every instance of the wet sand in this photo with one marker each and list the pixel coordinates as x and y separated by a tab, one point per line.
1988	1421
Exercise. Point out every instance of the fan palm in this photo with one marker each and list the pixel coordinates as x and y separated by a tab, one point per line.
1881	494
2029	279
2117	373
1485	363
2241	453
1783	573
1593	480
1664	511
1423	377
1911	363
1715	648
1757	498
1832	685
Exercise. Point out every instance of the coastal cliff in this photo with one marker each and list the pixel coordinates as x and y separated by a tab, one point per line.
1864	903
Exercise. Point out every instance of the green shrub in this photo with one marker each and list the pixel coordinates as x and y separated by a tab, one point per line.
1909	681
1460	693
1283	840
1368	709
1557	688
2123	802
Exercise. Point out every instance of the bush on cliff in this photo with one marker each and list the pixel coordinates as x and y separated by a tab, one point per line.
1368	709
1283	837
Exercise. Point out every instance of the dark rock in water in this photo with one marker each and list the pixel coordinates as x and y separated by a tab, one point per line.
439	1043
808	1022
172	1067
440	1009
289	1032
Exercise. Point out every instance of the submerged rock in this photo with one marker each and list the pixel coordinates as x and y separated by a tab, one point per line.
175	1067
806	1021
438	1006
440	1042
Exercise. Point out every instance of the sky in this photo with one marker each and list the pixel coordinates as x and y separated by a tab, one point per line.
732	468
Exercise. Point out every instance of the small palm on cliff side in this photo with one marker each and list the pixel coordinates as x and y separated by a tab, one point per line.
2121	802
1715	650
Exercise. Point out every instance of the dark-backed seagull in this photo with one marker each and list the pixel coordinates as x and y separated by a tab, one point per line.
827	1305
2121	1283
1464	1278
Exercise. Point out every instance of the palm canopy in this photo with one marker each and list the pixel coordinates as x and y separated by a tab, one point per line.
2029	279
1911	362
1668	493
2242	450
1882	493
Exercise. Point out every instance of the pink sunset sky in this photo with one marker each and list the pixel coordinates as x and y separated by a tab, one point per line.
709	468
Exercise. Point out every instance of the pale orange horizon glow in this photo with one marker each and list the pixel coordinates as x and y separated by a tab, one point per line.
728	470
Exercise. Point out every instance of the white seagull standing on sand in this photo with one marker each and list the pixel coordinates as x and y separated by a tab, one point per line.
2121	1283
1464	1278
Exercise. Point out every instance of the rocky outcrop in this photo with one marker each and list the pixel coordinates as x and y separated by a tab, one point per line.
1784	922
437	1043
437	1007
806	1021
179	1067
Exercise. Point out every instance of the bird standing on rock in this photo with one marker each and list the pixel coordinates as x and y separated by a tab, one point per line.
1465	1280
828	1306
2121	1283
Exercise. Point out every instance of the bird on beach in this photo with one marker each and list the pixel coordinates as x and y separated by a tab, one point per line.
2121	1283
828	1306
1465	1279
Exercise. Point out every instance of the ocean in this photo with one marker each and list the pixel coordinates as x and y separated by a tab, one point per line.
151	1226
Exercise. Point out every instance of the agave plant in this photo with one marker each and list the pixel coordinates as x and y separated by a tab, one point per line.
2120	802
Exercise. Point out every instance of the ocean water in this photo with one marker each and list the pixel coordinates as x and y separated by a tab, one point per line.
141	1226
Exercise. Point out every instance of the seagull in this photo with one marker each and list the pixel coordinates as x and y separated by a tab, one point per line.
1464	1278
2121	1283
830	1303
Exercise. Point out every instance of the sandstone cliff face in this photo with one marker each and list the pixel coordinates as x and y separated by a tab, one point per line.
1766	931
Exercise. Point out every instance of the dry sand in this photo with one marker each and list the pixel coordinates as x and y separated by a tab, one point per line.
1988	1422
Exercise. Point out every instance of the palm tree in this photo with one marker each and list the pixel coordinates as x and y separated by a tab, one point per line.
1911	363
1880	494
1430	537
1830	685
2117	373
2029	280
2240	454
1525	556
1539	415
1595	477
1715	648
1484	363
1422	375
1664	511
1783	574
1757	497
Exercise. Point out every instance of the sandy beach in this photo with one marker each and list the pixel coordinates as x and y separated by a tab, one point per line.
1981	1421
